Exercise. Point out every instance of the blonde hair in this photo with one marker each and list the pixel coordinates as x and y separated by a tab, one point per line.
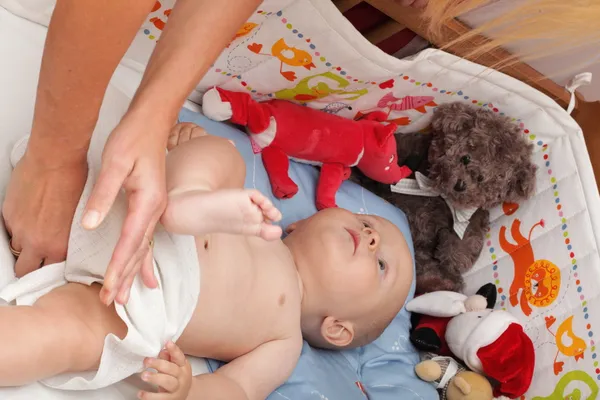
546	27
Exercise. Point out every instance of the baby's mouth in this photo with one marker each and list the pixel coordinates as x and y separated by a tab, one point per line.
355	238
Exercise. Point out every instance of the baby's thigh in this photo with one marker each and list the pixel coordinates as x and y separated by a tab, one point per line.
82	321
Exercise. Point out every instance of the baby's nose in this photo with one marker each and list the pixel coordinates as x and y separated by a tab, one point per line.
373	238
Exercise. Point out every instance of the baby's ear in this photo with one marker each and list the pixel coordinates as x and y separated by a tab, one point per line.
337	333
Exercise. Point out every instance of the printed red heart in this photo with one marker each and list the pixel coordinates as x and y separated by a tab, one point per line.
550	321
509	208
387	84
255	47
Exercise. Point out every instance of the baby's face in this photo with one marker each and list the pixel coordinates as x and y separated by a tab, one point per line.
352	265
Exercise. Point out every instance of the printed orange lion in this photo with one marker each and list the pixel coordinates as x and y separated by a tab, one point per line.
537	280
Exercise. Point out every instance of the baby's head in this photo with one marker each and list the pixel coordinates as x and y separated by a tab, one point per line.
356	272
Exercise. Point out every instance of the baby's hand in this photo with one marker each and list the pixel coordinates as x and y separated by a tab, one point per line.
174	376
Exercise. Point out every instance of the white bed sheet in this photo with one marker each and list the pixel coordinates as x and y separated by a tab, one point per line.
21	45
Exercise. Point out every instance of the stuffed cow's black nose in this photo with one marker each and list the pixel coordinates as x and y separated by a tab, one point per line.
460	186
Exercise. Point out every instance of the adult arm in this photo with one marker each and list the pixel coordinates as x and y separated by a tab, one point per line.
85	41
134	156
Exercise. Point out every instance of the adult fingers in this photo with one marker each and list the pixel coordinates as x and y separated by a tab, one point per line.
148	276
105	191
176	354
147	272
125	289
107	295
142	206
142	260
28	261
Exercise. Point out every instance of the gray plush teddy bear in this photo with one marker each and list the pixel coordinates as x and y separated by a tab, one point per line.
471	161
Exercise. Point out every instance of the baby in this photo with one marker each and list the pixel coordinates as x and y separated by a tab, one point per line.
337	280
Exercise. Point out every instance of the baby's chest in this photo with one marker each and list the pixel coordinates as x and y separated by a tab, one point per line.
248	297
259	287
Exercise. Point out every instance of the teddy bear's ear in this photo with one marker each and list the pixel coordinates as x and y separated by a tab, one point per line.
522	186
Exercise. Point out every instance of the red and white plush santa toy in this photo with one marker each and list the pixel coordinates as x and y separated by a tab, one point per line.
284	130
490	342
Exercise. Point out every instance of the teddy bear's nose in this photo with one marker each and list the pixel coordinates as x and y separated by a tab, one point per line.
460	186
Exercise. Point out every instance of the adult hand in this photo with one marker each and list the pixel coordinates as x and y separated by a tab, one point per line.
133	159
413	3
40	202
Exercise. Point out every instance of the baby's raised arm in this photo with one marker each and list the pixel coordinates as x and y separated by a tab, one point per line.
253	376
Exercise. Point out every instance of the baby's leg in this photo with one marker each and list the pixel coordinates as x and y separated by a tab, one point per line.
62	332
205	177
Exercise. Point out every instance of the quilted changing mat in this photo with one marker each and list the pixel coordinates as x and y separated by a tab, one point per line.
542	255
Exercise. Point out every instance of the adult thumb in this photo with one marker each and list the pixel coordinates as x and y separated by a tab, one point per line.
103	196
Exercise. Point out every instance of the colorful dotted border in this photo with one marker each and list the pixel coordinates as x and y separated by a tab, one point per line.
147	32
318	55
559	209
312	47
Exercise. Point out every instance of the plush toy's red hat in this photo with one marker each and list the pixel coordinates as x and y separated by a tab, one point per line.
509	358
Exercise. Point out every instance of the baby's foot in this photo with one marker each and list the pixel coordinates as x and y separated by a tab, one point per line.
184	132
237	211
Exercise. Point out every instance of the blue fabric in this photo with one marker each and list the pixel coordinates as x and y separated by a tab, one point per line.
384	368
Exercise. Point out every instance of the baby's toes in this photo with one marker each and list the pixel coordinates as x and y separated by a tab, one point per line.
267	208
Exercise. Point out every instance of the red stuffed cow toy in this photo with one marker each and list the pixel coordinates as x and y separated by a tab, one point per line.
284	130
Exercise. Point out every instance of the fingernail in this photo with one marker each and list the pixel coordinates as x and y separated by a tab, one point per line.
91	219
145	376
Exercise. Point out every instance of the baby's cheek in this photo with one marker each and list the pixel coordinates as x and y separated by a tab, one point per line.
364	279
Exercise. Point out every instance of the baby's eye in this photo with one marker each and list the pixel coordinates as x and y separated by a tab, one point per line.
366	225
382	265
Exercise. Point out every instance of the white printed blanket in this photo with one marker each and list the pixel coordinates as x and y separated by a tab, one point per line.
305	51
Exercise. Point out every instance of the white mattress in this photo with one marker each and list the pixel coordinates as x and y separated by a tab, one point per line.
21	44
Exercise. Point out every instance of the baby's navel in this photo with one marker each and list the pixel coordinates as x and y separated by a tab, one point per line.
281	299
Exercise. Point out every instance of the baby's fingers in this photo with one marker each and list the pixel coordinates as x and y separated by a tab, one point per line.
166	382
162	366
176	354
164	355
154	396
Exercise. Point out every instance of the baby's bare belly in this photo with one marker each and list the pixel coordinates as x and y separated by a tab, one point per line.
249	295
